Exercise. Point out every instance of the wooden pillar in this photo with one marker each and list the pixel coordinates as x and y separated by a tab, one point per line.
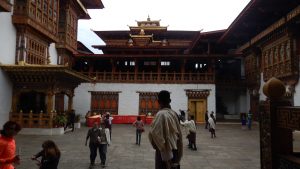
158	70
113	70
208	48
15	100
183	69
21	52
50	95
136	69
70	101
91	68
274	139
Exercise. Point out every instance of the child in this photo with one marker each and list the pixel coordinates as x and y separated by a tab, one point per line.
191	127
139	124
212	126
50	155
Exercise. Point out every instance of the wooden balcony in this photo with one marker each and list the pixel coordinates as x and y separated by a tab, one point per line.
5	6
34	120
31	120
149	77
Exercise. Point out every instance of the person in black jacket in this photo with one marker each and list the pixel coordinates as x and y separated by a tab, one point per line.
50	155
71	120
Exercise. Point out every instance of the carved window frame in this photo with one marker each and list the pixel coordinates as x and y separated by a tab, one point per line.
148	103
103	101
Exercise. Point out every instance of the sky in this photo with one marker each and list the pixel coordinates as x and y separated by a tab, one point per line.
189	15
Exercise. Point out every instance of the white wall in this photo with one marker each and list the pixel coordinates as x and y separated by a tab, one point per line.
297	95
129	98
53	54
7	56
262	96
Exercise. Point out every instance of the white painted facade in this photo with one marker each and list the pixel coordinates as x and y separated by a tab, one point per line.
7	56
129	98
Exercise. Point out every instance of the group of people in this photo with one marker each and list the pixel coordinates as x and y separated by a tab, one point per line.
99	139
49	154
246	119
164	134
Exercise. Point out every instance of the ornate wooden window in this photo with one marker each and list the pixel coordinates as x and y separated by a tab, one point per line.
278	59
45	12
102	102
71	31
37	51
148	103
252	71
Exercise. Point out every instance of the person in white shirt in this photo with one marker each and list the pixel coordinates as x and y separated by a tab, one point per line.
165	135
191	127
212	126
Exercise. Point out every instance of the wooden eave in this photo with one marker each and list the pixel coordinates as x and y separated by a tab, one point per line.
136	48
65	45
167	56
148	28
93	4
151	21
272	28
83	12
168	35
81	48
256	17
43	74
5	6
25	20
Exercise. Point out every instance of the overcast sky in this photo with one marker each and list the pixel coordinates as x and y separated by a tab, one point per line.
192	15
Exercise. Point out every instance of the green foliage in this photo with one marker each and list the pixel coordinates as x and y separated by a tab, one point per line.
60	120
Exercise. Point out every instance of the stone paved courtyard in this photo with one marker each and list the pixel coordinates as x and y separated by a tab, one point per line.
233	148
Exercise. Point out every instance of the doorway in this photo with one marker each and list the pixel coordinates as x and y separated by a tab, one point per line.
198	108
32	102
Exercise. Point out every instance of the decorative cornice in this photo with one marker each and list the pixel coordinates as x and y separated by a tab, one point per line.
199	94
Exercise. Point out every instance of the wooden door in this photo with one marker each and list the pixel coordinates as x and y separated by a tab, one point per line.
200	111
198	108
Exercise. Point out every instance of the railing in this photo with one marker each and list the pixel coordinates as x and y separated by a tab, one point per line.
32	120
150	77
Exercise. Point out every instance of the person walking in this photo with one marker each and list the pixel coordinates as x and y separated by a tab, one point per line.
191	127
50	155
8	145
249	119
103	141
165	135
212	126
71	120
206	119
92	135
107	123
139	125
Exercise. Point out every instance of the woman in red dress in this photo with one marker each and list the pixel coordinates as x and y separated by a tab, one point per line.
8	145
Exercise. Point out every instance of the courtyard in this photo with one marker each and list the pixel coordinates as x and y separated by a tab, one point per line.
233	148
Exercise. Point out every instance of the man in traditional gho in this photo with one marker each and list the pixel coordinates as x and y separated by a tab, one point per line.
165	135
191	128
